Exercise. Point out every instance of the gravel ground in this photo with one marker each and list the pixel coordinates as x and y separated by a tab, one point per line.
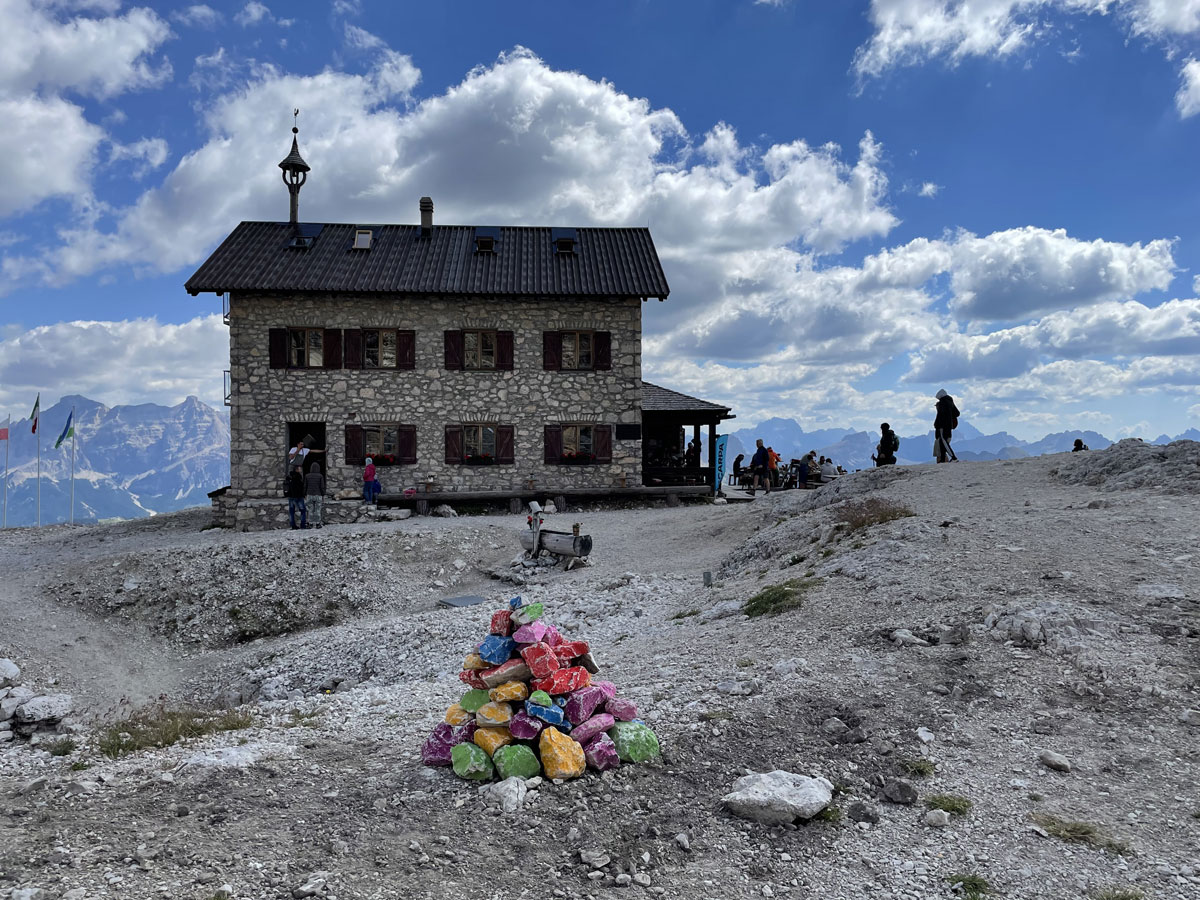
1046	604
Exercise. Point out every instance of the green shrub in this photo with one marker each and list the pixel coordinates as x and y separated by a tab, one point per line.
778	598
686	614
974	887
951	803
64	747
874	511
917	766
1079	833
161	726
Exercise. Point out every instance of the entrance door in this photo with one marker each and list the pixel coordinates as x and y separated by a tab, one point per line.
313	435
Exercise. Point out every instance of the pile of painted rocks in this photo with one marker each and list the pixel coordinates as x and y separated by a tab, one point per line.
532	707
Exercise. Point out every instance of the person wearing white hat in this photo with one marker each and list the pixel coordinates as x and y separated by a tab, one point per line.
944	423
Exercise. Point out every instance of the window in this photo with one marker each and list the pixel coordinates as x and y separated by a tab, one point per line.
564	245
362	239
379	348
485	244
577	350
306	348
479	441
386	443
577	440
479	349
575	443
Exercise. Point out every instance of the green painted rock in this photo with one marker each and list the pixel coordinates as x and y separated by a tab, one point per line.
540	698
473	699
529	613
635	742
516	759
471	761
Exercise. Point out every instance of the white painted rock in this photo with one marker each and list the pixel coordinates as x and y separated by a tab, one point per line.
508	794
48	708
777	798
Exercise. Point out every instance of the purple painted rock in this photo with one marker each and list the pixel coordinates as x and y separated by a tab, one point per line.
597	724
601	754
496	649
530	634
512	670
582	703
621	709
444	738
523	726
552	638
610	689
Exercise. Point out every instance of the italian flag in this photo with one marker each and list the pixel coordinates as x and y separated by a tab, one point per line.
37	406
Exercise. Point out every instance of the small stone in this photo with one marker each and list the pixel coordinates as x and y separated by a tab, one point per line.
778	798
563	681
834	726
531	633
541	660
635	742
561	756
588	661
898	790
621	709
907	638
1190	717
862	812
582	703
924	735
523	726
316	884
512	670
516	761
492	739
472	762
473	699
509	793
623	879
525	614
641	878
475	661
496	649
684	842
601	753
937	818
10	673
510	690
596	859
1055	761
597	724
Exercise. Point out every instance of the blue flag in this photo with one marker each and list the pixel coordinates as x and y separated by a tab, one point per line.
68	430
719	463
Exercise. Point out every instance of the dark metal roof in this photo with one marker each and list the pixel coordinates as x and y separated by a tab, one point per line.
661	399
257	256
294	161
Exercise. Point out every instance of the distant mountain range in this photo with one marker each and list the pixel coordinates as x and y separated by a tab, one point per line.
853	449
130	461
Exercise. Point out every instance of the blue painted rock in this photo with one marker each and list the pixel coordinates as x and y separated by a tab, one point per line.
635	742
582	703
471	761
514	603
541	660
621	709
530	634
516	760
597	724
551	715
524	727
531	612
496	649
473	699
511	670
601	753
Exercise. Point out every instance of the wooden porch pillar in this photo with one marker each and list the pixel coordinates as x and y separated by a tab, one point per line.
696	438
712	448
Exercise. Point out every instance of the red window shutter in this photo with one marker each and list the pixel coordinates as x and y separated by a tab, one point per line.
551	350
278	346
602	349
504	350
454	349
553	441
505	444
354	445
602	443
353	356
454	444
406	349
333	348
406	444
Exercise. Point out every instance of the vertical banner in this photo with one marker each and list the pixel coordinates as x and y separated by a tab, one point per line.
719	463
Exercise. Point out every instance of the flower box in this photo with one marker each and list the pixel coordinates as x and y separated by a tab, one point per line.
577	459
484	460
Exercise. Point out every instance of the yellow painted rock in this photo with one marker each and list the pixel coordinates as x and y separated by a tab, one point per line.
492	739
456	715
475	661
493	714
561	756
510	690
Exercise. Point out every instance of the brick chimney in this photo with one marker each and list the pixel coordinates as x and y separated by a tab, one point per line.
426	216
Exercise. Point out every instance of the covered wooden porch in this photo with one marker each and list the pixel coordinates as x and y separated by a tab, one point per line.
673	449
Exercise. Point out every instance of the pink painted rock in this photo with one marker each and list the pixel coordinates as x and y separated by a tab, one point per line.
512	670
582	703
471	678
501	623
444	738
524	727
531	633
541	660
610	689
621	709
563	681
601	753
597	724
552	638
568	650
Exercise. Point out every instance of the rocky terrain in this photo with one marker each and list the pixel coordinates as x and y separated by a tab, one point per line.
993	665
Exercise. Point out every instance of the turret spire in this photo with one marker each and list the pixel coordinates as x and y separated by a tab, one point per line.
295	170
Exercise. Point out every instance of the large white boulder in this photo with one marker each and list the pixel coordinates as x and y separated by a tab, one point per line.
10	673
47	708
777	798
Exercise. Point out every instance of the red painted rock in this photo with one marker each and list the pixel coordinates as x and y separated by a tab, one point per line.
524	727
568	650
471	678
531	633
582	703
541	660
601	753
512	670
563	681
501	623
597	724
621	709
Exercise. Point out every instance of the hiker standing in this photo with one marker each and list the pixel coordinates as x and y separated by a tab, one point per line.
944	423
758	465
294	491
369	481
314	495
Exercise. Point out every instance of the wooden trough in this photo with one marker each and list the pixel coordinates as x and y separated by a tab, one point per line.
562	543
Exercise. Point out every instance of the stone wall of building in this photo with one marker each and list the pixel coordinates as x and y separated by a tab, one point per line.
429	396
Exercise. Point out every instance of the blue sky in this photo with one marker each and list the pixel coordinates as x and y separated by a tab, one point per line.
856	203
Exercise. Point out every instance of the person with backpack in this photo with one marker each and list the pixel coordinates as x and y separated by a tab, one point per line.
885	450
758	465
314	494
944	423
294	491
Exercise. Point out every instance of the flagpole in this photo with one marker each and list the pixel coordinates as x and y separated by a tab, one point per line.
71	519
8	440
39	478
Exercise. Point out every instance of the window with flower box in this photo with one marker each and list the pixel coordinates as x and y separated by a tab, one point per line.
387	443
577	444
480	444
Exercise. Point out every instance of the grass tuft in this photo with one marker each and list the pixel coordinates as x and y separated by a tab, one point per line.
686	614
778	598
951	803
875	511
160	726
796	559
1117	893
973	886
80	765
1079	833
917	766
830	814
715	715
64	747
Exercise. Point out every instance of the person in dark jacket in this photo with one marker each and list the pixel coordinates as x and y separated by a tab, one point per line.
758	465
1079	445
944	423
294	491
885	450
314	494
